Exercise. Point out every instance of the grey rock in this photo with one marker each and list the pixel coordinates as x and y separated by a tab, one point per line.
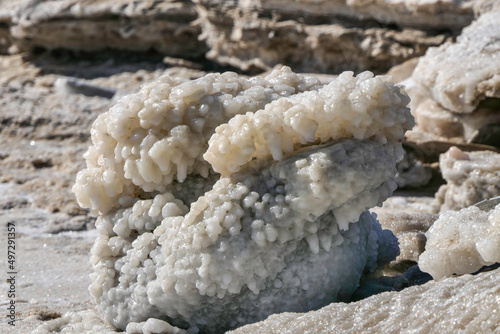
411	277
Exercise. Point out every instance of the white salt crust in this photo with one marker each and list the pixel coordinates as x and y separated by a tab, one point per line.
206	252
83	322
363	108
467	304
208	265
459	75
149	139
461	242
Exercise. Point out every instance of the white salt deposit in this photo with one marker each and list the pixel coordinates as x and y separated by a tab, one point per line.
180	243
461	242
466	304
459	75
83	322
361	107
149	139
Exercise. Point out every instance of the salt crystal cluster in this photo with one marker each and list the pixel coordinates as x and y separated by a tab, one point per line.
283	227
461	242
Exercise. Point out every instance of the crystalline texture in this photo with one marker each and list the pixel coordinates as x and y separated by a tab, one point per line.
286	219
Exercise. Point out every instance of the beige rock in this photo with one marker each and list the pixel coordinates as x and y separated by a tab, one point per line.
165	26
484	6
7	9
408	218
254	36
471	177
455	88
410	230
434	119
403	71
430	14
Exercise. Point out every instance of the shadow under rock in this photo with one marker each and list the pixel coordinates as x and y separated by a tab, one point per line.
109	62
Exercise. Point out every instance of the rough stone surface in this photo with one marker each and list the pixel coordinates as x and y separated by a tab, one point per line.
475	53
457	107
461	304
409	218
434	119
471	177
164	26
333	36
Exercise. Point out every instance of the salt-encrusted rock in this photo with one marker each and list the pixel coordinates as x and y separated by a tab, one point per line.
179	242
460	75
471	177
443	303
330	36
461	242
455	92
453	105
83	322
165	26
467	304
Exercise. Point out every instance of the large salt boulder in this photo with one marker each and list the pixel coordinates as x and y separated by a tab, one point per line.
299	164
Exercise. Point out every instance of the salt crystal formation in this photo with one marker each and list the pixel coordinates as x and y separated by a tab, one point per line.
461	242
283	229
471	177
459	83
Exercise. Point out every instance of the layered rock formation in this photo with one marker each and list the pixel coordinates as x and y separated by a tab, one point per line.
458	84
309	36
166	26
326	36
471	177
